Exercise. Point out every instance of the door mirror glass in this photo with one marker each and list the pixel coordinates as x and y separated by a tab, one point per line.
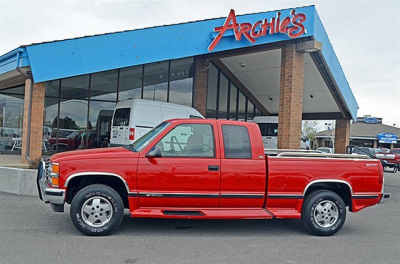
154	152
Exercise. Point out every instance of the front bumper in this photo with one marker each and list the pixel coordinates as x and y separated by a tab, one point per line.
56	197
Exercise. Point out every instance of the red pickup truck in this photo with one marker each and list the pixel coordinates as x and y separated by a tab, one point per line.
207	169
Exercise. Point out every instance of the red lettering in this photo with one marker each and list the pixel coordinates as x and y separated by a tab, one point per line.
253	30
298	27
221	30
260	28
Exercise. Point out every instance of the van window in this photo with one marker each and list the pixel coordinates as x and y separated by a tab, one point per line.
121	117
268	129
236	142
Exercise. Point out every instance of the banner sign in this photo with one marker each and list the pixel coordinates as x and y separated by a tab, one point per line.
291	26
387	138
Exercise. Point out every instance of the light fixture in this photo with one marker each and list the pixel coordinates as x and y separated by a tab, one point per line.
242	65
311	96
270	98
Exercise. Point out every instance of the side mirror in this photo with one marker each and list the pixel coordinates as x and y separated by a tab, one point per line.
154	152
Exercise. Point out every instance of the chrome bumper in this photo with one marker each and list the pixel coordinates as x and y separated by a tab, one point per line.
47	194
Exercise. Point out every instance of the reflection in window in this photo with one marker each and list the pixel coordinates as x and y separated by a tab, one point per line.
156	81
242	107
52	88
99	126
103	85
11	119
75	87
181	81
212	91
50	120
130	83
250	111
223	96
236	142
233	102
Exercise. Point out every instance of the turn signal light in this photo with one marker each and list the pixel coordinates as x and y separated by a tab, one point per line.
55	168
55	181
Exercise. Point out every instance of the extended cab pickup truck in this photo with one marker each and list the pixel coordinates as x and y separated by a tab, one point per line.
207	169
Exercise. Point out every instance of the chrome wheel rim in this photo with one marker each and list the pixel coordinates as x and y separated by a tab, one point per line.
326	213
96	211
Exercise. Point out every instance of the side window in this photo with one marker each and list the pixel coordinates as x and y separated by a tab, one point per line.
121	117
188	140
236	142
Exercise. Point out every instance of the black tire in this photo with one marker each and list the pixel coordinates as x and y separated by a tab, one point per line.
332	216
110	207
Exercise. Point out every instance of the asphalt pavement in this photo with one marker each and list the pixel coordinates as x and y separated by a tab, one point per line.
31	233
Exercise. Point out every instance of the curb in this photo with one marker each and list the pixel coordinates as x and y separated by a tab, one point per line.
18	181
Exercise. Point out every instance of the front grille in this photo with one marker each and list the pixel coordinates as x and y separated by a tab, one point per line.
46	168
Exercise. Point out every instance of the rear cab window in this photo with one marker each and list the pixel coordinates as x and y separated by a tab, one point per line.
121	117
236	142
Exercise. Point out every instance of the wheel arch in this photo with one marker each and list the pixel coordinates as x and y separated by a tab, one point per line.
340	187
77	181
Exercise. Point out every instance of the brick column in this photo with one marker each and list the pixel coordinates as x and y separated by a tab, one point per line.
200	84
342	135
36	123
290	98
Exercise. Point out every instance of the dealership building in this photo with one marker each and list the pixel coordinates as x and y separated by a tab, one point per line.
269	63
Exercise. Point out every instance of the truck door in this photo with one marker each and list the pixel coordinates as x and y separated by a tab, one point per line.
187	173
243	169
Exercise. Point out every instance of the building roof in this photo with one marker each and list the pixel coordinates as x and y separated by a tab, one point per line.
365	130
77	56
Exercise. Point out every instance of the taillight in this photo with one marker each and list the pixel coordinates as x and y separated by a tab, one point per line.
131	133
380	173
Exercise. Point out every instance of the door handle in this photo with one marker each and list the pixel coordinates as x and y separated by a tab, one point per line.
213	167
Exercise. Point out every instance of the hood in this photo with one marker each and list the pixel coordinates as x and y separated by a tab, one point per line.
99	153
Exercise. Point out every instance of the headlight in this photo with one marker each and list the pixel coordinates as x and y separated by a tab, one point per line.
54	173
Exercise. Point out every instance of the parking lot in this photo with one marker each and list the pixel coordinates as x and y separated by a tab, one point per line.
31	233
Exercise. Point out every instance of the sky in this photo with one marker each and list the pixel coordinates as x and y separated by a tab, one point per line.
364	33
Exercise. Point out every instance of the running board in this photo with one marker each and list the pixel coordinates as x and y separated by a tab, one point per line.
209	213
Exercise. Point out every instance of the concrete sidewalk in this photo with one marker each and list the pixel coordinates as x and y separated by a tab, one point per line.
13	161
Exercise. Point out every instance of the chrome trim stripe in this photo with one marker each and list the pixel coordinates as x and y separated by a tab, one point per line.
328	181
243	196
95	173
285	196
364	196
197	195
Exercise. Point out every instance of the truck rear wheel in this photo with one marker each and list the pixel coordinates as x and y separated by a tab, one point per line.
97	210
324	213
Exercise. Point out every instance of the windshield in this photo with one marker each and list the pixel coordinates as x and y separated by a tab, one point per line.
142	142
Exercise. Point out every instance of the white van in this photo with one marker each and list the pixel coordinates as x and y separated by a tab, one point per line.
133	118
269	131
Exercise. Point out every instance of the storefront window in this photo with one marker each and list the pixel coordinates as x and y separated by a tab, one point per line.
212	91
11	119
181	81
75	87
99	126
156	81
242	107
50	124
233	102
223	97
250	111
130	83
103	86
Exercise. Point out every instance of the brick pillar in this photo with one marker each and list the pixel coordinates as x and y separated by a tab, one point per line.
36	123
290	98
342	135
200	84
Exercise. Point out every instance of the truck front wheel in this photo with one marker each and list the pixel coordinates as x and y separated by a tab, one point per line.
324	213
97	210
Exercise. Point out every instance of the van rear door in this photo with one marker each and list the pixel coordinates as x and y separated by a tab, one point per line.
120	126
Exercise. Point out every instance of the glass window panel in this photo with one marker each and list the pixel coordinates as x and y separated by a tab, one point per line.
103	85
242	106
99	127
212	91
156	81
52	88
188	140
72	124
258	112
15	90
130	83
11	119
236	142
223	96
50	123
75	87
233	102
181	81
250	111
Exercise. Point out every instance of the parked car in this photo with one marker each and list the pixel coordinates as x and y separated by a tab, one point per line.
391	156
326	150
207	169
135	117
